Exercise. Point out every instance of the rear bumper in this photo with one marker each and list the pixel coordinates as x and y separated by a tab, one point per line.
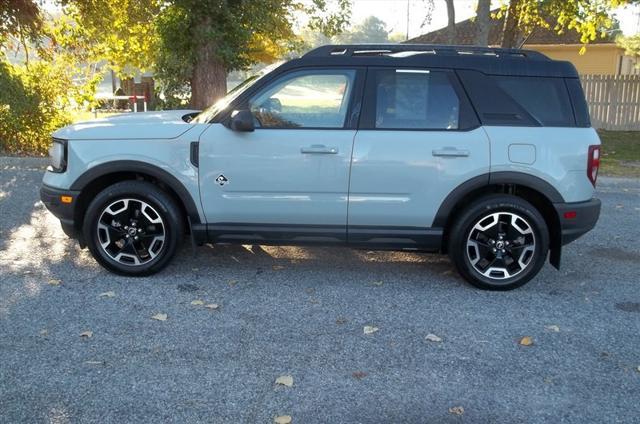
576	219
65	212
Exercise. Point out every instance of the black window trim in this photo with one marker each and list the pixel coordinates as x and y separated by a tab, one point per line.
368	114
353	109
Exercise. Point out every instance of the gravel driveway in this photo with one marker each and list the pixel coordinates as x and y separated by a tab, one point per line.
301	312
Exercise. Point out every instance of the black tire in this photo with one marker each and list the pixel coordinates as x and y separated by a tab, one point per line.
160	227
471	247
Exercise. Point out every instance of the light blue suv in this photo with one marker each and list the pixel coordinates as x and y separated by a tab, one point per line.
485	154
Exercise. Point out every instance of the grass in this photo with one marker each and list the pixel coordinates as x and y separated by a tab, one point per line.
620	153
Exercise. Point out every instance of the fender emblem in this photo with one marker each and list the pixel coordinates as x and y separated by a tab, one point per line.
222	180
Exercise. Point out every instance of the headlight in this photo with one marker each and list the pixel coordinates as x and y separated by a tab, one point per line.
58	155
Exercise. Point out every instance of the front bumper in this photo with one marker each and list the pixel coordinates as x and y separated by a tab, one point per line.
576	219
65	212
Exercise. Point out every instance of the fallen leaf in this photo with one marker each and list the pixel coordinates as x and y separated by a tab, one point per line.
456	410
277	267
197	302
54	282
160	317
285	380
526	341
282	419
88	334
212	306
232	283
368	329
359	375
433	338
378	283
553	328
108	294
44	332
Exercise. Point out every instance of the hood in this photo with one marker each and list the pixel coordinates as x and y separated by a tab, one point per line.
143	125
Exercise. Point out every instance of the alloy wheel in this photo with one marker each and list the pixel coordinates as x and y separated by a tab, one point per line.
131	232
501	245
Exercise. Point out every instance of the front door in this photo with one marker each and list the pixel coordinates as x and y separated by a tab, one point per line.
292	173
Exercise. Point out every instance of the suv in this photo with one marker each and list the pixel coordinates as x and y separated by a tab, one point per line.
485	154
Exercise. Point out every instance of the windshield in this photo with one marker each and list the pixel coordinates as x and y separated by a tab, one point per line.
206	115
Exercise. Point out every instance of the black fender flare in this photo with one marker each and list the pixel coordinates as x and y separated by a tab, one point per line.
504	177
133	166
488	179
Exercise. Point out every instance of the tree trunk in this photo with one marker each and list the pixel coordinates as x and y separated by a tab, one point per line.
209	76
510	33
451	22
483	22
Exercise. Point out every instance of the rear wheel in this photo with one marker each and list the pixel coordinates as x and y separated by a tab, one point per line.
500	243
133	228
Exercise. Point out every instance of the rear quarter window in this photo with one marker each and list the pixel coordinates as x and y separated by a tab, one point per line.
545	99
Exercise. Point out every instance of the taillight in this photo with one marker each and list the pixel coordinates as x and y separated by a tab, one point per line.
593	163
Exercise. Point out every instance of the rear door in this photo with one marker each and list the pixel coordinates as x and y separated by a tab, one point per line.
418	140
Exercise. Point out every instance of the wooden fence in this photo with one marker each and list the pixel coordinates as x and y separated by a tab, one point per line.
614	101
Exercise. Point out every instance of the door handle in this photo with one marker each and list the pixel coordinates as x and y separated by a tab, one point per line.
319	149
450	152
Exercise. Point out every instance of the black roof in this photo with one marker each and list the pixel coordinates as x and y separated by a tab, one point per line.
492	61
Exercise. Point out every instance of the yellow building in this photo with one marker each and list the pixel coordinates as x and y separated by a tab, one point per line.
602	57
599	58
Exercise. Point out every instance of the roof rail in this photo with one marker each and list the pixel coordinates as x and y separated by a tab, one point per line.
438	49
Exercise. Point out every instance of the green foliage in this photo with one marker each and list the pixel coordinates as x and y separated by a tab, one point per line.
121	32
34	102
242	33
173	37
591	19
631	46
371	30
20	19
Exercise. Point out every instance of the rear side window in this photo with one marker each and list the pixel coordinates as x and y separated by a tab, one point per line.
415	99
545	99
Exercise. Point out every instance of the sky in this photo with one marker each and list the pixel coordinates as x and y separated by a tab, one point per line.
394	13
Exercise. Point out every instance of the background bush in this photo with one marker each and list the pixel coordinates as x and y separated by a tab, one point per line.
34	102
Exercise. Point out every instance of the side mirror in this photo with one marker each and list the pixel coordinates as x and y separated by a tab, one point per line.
241	120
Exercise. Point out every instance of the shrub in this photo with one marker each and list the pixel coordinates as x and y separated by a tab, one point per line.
34	102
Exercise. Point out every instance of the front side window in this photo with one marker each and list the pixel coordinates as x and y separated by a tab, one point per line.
415	99
305	99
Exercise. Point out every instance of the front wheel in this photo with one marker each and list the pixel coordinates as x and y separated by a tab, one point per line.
133	228
499	243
